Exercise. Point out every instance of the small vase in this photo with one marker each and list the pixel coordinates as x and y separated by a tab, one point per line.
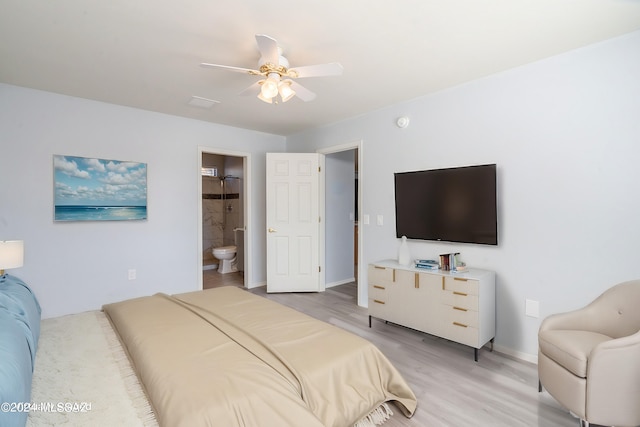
404	256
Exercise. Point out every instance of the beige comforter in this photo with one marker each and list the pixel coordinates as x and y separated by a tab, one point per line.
226	357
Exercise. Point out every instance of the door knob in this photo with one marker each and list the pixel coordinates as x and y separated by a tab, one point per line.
272	230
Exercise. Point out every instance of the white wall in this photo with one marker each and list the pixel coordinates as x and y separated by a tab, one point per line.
565	134
339	209
74	267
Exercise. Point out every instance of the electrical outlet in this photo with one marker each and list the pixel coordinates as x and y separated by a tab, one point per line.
132	274
532	308
380	220
365	219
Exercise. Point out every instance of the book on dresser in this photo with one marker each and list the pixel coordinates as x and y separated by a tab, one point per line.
458	306
427	264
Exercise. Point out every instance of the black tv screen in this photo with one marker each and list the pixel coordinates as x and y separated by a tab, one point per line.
453	205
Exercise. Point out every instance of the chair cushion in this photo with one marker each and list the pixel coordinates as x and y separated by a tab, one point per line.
569	348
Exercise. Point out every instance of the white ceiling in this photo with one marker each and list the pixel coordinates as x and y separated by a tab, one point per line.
146	53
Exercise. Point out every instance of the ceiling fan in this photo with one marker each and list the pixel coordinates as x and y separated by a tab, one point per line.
278	77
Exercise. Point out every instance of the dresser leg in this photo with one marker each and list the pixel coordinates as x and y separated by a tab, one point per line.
369	320
492	339
475	354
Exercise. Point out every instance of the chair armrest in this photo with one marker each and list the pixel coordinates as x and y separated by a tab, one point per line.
613	382
583	319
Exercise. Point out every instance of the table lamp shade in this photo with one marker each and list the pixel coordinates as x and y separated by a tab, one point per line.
11	254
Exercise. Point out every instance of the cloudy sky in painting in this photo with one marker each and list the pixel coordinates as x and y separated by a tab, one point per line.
96	182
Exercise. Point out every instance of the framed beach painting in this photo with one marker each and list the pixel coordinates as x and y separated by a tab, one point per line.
90	189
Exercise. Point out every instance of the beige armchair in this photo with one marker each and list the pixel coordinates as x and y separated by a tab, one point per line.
589	359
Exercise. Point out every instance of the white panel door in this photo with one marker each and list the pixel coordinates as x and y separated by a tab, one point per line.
294	249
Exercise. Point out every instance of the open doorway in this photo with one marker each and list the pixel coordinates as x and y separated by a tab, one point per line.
223	216
342	201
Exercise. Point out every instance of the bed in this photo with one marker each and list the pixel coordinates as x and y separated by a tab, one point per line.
231	358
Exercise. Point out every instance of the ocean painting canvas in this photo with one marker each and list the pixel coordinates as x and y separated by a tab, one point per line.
90	189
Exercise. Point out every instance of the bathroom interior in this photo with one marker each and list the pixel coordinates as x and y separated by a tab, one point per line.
222	220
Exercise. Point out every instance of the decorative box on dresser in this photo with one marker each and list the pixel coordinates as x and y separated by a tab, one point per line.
458	306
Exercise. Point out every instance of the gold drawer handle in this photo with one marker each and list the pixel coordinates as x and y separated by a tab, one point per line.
378	301
378	287
460	308
460	293
460	279
460	324
379	268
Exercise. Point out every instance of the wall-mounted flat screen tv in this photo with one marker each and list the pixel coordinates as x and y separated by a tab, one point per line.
452	205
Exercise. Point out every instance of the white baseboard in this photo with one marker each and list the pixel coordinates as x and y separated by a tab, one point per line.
341	282
256	285
531	358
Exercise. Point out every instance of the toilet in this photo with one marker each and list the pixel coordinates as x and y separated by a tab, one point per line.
227	257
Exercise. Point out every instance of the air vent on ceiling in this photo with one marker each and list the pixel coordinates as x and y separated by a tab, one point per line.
200	102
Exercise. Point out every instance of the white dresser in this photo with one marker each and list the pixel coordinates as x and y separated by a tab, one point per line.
460	307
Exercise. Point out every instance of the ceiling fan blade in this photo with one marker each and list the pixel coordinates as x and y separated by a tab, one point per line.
230	68
302	92
268	48
251	90
331	69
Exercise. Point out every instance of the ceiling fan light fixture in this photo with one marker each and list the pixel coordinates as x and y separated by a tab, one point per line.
264	99
276	85
286	93
269	88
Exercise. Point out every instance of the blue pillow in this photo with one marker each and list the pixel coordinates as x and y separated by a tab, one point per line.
19	301
15	370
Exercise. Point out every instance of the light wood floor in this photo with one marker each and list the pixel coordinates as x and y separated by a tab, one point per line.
213	279
451	388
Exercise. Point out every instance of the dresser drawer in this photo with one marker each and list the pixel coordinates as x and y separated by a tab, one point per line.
460	299
378	308
452	314
461	284
462	333
381	275
378	291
